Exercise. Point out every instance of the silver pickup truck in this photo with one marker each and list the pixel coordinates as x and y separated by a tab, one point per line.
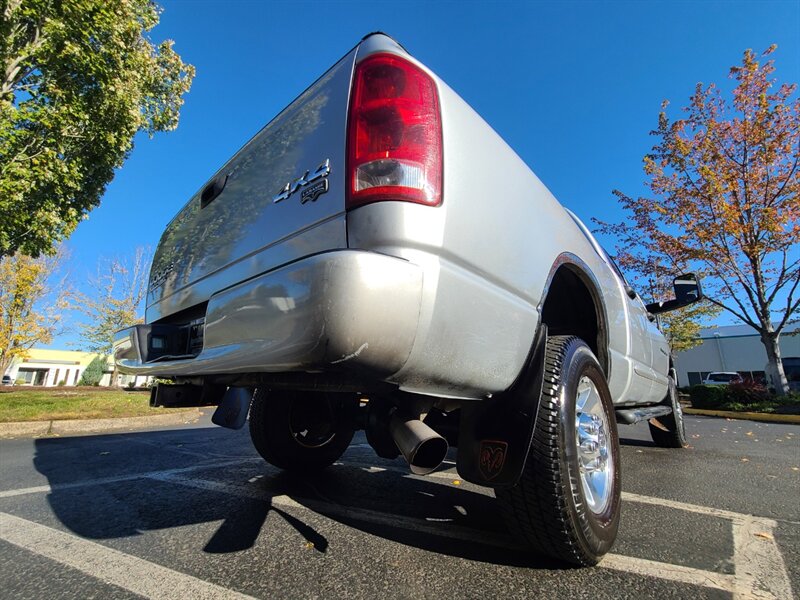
378	258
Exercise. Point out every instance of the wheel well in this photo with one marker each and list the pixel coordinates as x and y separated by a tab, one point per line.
572	307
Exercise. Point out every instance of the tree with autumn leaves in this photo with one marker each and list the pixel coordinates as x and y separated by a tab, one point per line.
114	299
32	302
34	298
724	181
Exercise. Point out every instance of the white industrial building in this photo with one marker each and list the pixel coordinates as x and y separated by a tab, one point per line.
735	348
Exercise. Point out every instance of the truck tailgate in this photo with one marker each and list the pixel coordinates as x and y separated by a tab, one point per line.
255	223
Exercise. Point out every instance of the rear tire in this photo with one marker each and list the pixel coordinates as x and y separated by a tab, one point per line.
567	502
295	430
672	430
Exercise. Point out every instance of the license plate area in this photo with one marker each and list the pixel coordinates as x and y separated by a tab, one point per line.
170	342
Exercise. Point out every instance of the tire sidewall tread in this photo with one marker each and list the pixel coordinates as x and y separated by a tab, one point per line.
675	435
548	507
271	434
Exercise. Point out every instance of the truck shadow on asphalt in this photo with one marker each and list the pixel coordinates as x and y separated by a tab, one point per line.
434	514
637	443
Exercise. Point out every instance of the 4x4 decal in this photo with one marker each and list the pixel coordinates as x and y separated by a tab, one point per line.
313	192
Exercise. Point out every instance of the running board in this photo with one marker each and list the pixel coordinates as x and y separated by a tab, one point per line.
629	416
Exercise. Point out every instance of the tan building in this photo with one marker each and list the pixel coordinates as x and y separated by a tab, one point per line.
51	367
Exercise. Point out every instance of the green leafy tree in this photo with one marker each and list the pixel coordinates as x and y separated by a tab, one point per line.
682	327
78	79
93	372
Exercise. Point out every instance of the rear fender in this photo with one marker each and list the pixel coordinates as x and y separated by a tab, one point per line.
495	434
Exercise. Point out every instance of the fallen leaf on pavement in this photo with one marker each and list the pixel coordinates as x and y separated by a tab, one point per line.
456	482
764	535
749	433
745	460
310	545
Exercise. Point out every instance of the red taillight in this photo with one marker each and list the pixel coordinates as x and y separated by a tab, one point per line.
394	139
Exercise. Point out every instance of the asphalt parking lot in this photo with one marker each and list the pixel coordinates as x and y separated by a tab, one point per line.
195	513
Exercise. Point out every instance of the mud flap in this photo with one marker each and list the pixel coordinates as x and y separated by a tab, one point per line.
232	411
495	434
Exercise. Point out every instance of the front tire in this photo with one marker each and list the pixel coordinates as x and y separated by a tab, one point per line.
567	502
669	431
296	430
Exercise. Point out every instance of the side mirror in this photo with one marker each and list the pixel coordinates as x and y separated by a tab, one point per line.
687	291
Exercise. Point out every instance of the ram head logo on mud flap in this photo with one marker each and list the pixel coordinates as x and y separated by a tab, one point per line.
492	458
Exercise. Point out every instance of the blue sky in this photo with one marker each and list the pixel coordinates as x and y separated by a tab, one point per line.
573	87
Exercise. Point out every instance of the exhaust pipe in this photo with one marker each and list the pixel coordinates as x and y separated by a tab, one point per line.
422	447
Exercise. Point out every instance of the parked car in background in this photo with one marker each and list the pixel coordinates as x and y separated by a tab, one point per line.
7	380
722	378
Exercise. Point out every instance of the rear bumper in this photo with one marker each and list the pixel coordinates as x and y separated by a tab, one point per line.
333	311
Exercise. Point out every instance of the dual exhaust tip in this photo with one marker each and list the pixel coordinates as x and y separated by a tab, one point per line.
422	447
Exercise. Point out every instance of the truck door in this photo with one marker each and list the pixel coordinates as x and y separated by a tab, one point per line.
641	350
640	344
660	361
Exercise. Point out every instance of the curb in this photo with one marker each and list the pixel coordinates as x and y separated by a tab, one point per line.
76	426
746	416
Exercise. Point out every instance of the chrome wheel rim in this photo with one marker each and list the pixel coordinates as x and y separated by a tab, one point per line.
593	439
677	409
313	427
